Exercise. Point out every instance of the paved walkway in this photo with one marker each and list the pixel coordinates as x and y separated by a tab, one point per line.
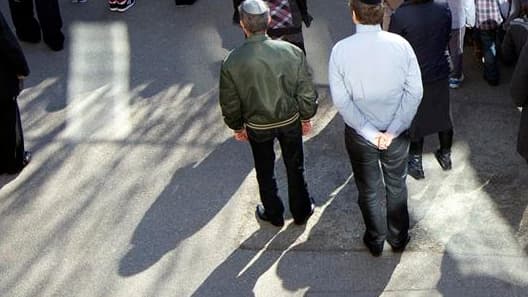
138	189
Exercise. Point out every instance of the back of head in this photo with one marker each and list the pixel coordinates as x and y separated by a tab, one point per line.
367	12
254	14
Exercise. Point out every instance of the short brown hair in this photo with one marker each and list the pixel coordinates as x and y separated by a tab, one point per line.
367	14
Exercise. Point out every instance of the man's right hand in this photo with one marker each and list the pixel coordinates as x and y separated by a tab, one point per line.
306	127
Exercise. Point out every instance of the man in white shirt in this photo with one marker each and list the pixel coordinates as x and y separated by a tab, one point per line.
376	86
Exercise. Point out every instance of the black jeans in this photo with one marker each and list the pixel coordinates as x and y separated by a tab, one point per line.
370	178
290	140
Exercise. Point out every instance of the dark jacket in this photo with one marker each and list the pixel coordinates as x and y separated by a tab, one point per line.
514	40
266	84
413	20
519	93
12	62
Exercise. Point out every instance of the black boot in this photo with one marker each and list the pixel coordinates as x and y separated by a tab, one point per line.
444	159
414	167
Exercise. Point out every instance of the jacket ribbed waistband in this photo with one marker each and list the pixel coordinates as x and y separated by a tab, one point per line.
273	125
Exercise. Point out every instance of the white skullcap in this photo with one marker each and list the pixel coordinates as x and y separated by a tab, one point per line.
254	7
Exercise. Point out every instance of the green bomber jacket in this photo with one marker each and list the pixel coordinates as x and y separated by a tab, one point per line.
266	84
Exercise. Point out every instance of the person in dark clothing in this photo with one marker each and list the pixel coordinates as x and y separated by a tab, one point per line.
14	68
287	23
514	40
267	94
514	50
426	24
519	93
29	29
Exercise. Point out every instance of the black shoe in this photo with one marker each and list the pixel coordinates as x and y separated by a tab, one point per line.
31	37
375	250
414	167
444	159
400	247
305	219
261	214
55	42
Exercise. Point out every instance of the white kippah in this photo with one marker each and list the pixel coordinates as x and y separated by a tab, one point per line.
254	7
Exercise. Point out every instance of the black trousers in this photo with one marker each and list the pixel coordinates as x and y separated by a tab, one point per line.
444	137
373	169
290	140
28	28
11	137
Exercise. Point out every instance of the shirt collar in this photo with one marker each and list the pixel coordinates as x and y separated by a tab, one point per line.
257	37
360	28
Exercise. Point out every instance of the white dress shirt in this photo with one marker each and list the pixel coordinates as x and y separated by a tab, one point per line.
375	81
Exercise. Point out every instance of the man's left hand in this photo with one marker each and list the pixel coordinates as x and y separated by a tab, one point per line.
241	135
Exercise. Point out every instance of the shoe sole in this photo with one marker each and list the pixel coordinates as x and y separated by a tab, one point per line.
126	8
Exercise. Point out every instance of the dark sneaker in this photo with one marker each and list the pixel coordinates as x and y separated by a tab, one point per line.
261	214
414	167
443	159
124	5
112	5
454	83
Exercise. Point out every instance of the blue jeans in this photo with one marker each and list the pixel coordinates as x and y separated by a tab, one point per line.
488	41
456	51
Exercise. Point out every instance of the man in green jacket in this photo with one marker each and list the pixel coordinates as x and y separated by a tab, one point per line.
266	93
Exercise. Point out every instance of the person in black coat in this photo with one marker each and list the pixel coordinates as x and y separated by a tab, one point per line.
28	28
426	24
14	68
519	93
514	40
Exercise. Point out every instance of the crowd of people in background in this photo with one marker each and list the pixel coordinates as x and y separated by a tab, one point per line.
390	81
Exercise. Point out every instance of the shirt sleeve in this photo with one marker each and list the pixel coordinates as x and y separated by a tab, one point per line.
230	101
344	102
411	97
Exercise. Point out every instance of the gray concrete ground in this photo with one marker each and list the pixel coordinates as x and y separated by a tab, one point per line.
138	189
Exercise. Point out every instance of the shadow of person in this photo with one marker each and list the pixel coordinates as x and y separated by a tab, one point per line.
239	273
188	203
486	253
